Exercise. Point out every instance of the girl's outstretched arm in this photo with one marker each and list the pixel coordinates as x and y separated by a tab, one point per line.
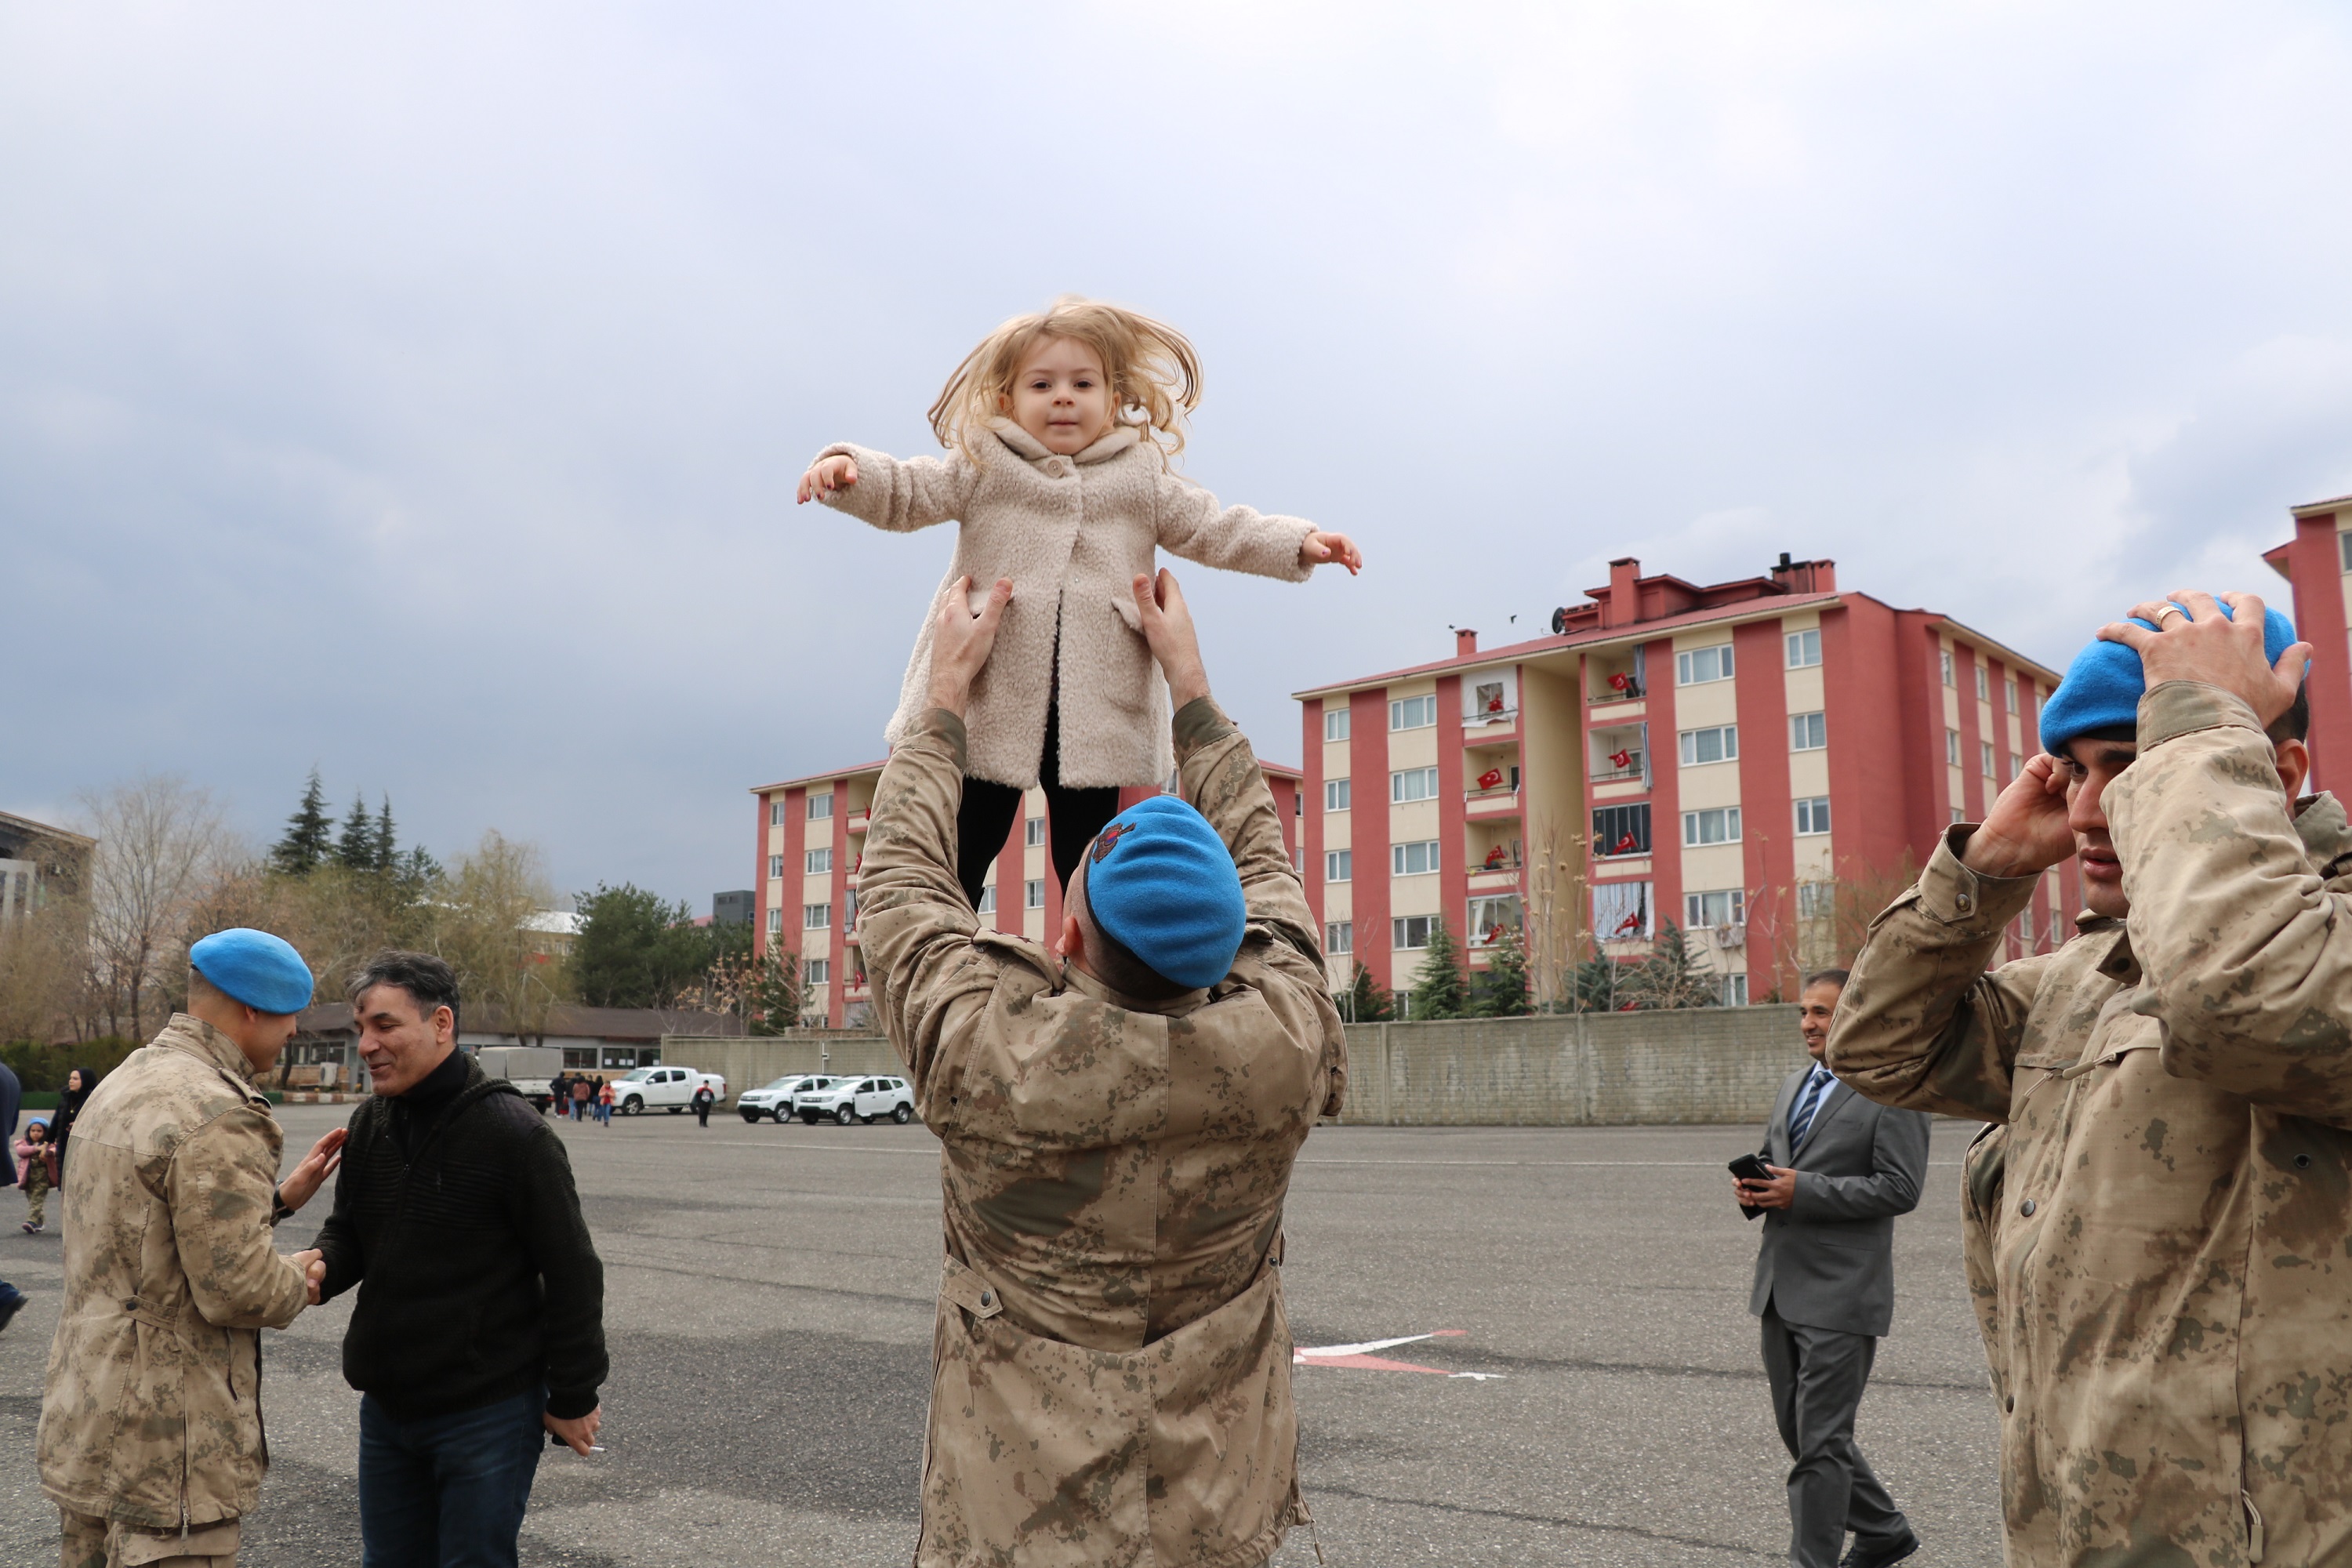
1236	538
900	495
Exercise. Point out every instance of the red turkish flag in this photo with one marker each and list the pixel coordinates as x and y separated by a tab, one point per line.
1620	682
1623	759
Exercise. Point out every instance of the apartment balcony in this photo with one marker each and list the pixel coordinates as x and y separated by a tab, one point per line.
857	990
856	821
1496	879
1629	692
1490	804
1636	773
1485	729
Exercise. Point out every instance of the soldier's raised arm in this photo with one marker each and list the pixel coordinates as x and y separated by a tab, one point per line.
220	1186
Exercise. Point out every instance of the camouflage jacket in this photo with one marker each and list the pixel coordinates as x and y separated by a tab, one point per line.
152	1410
2160	1233
1111	1376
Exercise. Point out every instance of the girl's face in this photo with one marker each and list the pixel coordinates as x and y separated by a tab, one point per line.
1062	396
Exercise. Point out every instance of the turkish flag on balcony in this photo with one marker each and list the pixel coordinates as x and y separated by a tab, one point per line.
1620	682
1490	779
1625	846
1623	759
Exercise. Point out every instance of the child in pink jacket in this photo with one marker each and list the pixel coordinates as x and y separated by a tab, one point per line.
37	1159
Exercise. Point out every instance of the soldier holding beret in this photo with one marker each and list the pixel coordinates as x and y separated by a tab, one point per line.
151	1439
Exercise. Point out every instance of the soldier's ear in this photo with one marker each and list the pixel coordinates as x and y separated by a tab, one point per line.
2294	766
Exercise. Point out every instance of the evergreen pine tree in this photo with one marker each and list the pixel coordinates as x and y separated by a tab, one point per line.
1437	987
355	850
1366	1000
386	850
776	990
1502	991
310	834
1672	977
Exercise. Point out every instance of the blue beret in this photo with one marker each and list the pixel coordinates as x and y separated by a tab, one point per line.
1162	883
2104	685
261	971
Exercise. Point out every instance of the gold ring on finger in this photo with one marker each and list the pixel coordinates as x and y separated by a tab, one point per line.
2169	610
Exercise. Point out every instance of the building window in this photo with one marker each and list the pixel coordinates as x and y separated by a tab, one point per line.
775	814
1335	723
1735	990
1813	814
1298	803
1033	893
1957	817
1808	731
1804	649
1034	832
816	917
1727	907
1335	794
1412	713
2008	691
1720	745
1489	916
820	806
819	863
1340	936
1339	864
987	899
1946	656
775	865
1984	756
816	971
1952	748
1621	911
2016	766
1699	666
1411	931
1298	861
1621	829
1984	685
1418	858
850	909
775	919
1718	825
1413	784
1816	901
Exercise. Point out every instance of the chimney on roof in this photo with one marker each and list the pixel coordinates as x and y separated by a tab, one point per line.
1465	642
1804	576
1623	607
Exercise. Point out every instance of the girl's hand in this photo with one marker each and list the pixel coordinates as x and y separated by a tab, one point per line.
1320	547
827	475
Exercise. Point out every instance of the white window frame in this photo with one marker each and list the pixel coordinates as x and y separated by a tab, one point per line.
816	917
1950	678
1951	748
816	971
1812	816
820	806
987	905
1339	864
2010	687
1412	712
1694	741
1402	928
1735	990
1816	901
1404	782
1338	936
1486	911
1805	648
1984	682
775	867
1033	893
1335	723
775	813
1402	855
1337	794
1700	908
1615	902
1695	825
1033	832
1704	666
1986	757
775	919
1809	732
816	862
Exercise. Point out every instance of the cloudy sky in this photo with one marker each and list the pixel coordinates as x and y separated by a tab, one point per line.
419	394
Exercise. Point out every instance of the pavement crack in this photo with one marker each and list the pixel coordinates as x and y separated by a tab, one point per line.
1559	1521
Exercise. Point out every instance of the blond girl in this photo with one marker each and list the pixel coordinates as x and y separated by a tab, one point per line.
1059	427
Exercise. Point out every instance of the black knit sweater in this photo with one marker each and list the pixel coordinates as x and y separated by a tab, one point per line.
455	1215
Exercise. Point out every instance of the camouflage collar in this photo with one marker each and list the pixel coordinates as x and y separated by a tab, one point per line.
1084	984
2326	837
188	1033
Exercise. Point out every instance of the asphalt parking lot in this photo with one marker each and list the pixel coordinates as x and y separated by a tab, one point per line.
770	1294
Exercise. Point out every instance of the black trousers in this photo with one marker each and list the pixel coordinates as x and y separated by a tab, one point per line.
1073	817
1818	1376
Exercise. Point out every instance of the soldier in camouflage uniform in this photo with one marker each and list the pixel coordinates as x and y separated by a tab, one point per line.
150	1438
1111	1378
2159	1226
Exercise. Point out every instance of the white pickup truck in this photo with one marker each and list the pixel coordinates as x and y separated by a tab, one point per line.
671	1088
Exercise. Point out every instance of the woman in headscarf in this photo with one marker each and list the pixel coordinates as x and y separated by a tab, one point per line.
79	1083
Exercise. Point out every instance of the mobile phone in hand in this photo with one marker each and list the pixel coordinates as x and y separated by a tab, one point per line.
1751	1168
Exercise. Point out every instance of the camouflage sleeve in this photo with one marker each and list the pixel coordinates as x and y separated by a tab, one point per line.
931	982
220	1187
1218	774
2246	954
902	495
1921	1025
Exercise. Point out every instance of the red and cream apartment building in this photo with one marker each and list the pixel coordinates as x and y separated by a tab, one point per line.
1722	756
2318	561
812	837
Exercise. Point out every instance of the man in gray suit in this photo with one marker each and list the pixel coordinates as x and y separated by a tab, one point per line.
1842	1168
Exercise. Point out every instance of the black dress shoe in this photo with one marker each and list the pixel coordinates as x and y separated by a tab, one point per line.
1895	1550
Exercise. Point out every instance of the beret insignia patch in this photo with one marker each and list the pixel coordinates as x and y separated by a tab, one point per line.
1109	837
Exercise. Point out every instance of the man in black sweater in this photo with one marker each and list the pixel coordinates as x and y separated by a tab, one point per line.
480	1318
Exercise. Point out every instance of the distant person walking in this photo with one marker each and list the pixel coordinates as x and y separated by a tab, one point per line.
480	1323
581	1091
36	1159
604	1103
703	1101
559	1092
1842	1168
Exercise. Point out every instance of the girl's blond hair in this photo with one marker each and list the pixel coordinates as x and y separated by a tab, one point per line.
1155	376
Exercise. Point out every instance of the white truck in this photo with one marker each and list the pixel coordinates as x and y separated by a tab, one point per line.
672	1089
530	1068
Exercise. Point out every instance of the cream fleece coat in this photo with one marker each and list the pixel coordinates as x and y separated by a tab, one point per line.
1071	532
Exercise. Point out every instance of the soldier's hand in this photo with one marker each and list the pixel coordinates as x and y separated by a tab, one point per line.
2204	646
303	1181
1168	628
2026	831
961	641
313	1264
577	1433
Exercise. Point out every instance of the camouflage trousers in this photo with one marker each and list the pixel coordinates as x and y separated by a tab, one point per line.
37	1198
103	1543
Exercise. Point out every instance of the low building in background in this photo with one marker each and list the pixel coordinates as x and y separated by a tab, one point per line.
2318	563
1762	763
735	909
811	833
39	863
324	1052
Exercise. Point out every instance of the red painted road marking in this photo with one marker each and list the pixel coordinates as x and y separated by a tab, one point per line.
1360	1357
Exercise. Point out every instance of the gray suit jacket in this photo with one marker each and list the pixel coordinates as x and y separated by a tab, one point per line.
1829	1260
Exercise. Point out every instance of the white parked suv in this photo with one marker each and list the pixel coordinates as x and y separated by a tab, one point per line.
776	1099
850	1101
672	1089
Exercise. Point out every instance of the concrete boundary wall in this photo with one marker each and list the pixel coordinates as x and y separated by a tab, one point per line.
1719	1065
1573	1069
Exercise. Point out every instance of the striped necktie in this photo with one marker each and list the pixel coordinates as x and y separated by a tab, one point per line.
1809	1101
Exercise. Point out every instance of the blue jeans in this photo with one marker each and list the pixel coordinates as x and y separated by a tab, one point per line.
448	1491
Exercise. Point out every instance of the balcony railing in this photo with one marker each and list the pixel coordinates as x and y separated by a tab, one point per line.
1632	692
1492	716
1608	772
857	821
